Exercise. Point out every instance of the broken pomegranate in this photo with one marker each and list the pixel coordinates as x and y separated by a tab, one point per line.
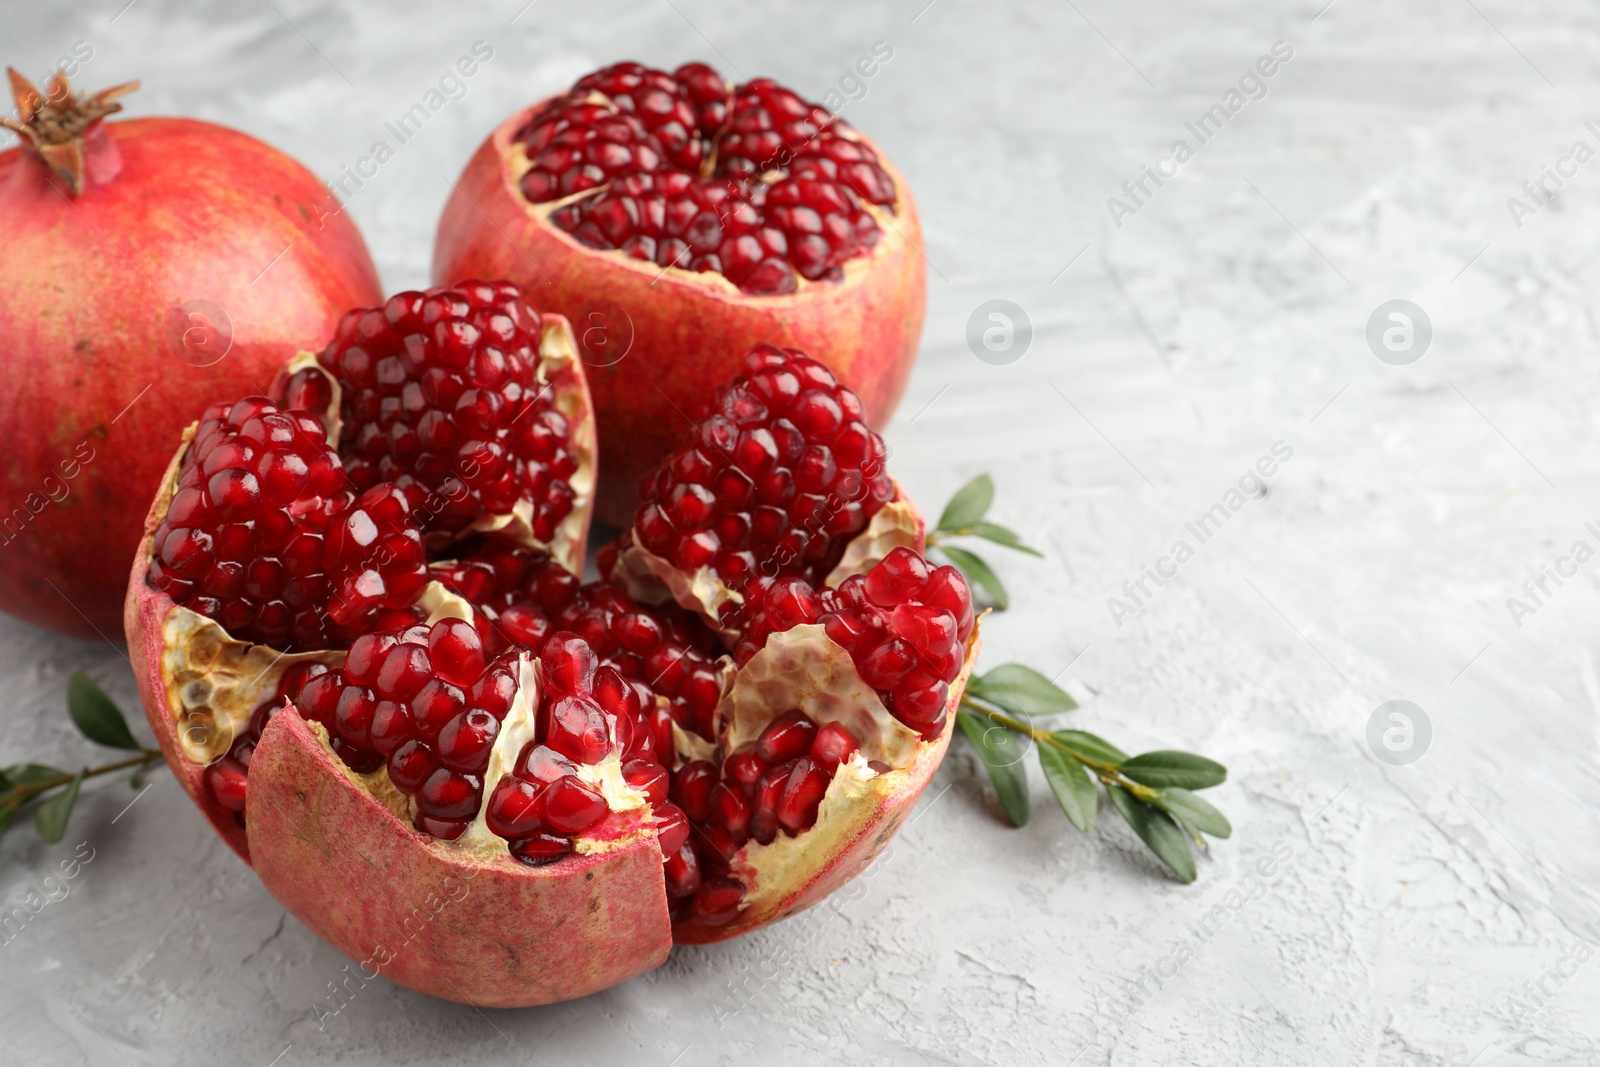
679	217
151	266
379	676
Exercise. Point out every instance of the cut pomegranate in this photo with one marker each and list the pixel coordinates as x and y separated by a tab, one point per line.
754	184
470	724
679	220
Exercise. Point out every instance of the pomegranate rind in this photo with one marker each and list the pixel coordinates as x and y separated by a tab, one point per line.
487	931
862	809
686	332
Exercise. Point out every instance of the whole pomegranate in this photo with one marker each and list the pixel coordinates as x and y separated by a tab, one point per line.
677	220
151	266
362	642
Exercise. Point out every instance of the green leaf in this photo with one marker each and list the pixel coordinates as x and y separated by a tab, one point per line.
1090	747
31	773
1070	782
7	813
1168	768
1002	536
969	504
1156	829
51	818
1196	814
1021	691
998	749
96	714
978	571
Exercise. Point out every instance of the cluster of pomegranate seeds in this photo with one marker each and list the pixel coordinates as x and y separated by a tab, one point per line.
756	185
587	712
425	701
266	535
905	625
773	785
778	479
442	396
665	650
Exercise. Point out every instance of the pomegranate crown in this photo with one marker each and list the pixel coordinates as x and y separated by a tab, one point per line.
56	121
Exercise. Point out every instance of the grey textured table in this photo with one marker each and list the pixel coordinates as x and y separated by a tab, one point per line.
1441	912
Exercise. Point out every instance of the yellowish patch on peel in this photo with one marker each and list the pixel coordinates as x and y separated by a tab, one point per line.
895	525
215	682
803	668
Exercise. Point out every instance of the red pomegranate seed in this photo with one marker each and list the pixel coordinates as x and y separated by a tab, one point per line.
649	777
832	746
578	729
450	795
515	808
691	789
717	902
570	807
683	872
797	807
672	827
744	766
731	810
540	849
226	777
786	737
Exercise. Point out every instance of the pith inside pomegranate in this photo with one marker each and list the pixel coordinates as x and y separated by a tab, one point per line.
381	679
682	217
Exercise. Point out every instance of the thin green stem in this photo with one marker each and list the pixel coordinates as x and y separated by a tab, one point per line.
21	792
1108	773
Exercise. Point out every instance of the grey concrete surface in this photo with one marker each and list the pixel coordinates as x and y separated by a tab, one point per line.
1440	912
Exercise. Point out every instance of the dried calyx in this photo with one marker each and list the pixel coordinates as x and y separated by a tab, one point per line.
64	128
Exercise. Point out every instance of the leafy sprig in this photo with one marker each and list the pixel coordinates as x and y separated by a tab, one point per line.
53	791
963	517
1153	792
